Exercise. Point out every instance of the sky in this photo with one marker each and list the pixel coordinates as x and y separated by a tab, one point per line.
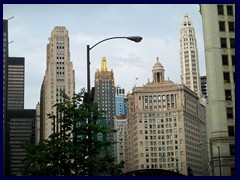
158	25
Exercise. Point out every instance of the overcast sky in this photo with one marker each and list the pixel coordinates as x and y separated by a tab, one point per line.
158	24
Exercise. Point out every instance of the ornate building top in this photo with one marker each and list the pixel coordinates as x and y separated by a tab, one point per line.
186	22
104	64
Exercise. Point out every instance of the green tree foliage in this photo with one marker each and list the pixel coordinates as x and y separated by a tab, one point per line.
75	150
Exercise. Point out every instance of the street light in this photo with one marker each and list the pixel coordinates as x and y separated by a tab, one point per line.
131	38
219	158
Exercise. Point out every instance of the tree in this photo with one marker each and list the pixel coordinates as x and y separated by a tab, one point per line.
75	149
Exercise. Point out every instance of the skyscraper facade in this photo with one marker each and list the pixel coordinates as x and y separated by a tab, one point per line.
105	92
218	21
163	127
21	128
189	56
59	76
4	115
16	70
120	101
120	123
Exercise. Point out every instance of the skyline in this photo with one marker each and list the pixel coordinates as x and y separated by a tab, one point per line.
89	24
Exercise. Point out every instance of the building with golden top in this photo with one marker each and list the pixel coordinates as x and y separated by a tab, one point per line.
163	127
104	94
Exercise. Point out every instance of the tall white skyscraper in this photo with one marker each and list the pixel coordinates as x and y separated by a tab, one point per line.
218	21
59	76
189	56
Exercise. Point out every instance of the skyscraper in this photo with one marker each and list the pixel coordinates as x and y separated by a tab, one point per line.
105	92
5	58
120	123
21	128
120	101
218	22
189	56
163	127
59	76
16	70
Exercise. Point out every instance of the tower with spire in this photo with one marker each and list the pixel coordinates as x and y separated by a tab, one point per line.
190	76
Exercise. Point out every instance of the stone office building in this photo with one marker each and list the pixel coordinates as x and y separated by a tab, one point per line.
163	127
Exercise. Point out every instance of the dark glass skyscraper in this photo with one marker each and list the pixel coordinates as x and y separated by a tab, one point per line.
105	92
15	83
21	128
4	100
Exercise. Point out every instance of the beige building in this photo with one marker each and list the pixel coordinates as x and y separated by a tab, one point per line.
189	56
120	123
218	22
59	76
163	127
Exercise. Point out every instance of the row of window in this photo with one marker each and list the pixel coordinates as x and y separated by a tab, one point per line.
221	10
158	120
154	166
222	26
225	60
223	42
160	131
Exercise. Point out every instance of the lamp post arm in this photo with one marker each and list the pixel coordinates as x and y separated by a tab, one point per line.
106	40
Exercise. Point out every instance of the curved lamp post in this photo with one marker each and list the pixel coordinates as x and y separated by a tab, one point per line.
132	38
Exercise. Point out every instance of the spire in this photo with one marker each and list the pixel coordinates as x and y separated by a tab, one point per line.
186	21
104	64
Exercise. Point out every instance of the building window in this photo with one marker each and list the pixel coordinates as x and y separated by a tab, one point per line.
229	112
229	10
226	77
228	95
225	60
233	60
231	131
234	77
223	42
220	10
233	173
232	43
221	25
231	26
232	149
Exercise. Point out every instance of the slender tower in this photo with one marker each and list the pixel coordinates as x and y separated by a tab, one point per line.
59	76
189	56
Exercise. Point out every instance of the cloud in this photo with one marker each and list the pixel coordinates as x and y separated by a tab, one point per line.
87	25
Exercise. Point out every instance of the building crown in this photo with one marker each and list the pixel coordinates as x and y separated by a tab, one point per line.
158	72
186	22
